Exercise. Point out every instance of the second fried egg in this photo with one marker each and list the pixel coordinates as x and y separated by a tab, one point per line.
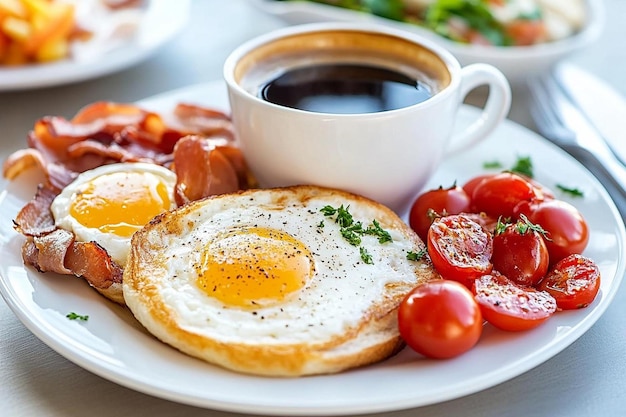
108	204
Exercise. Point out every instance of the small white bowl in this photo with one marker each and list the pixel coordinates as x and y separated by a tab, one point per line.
516	62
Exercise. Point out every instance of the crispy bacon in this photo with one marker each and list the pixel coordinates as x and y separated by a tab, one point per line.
50	250
202	170
35	218
208	122
92	262
105	132
199	148
59	252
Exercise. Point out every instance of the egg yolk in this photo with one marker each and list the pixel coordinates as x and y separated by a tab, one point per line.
254	266
121	202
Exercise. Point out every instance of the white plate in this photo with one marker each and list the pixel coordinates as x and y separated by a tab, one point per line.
113	345
516	62
159	23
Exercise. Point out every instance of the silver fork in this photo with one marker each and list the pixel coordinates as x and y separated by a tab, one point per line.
560	121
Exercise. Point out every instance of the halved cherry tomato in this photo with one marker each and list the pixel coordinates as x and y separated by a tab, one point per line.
574	282
567	230
483	219
440	319
520	252
440	201
509	306
459	248
499	194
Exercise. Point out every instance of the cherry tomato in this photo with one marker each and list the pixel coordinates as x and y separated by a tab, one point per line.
567	230
471	185
520	253
459	248
509	306
498	195
440	319
440	201
574	282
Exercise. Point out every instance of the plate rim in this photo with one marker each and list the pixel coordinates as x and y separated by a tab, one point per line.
63	345
139	48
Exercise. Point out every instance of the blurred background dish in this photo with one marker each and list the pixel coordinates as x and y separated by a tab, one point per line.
115	39
503	36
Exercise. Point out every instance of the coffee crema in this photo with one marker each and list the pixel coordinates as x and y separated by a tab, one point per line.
344	88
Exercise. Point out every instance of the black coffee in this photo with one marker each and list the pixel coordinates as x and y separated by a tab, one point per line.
345	88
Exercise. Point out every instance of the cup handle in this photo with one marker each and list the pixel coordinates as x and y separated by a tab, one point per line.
495	110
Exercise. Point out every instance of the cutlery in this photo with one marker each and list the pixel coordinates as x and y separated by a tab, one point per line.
560	121
604	107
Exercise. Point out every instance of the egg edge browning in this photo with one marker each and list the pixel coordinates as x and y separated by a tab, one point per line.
373	339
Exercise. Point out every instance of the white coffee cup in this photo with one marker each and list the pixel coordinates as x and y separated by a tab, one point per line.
387	155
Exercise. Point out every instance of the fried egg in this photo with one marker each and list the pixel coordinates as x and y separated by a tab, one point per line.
108	204
270	282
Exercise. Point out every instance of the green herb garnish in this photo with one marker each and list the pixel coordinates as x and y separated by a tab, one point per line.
492	165
523	166
367	258
353	231
376	230
351	234
522	226
574	192
416	256
74	316
501	226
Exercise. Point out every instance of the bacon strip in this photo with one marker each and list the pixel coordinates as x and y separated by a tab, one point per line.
200	150
59	252
105	132
90	260
208	122
201	170
49	252
35	218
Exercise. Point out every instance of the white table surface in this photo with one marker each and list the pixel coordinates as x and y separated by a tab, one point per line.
586	379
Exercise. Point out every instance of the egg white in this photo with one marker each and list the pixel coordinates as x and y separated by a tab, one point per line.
116	246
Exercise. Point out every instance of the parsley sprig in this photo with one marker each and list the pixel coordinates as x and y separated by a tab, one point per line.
352	231
523	165
416	256
522	226
73	316
574	192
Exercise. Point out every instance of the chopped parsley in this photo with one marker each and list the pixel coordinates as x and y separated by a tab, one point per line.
367	258
492	165
574	192
351	234
523	166
376	230
74	316
352	231
522	226
416	256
